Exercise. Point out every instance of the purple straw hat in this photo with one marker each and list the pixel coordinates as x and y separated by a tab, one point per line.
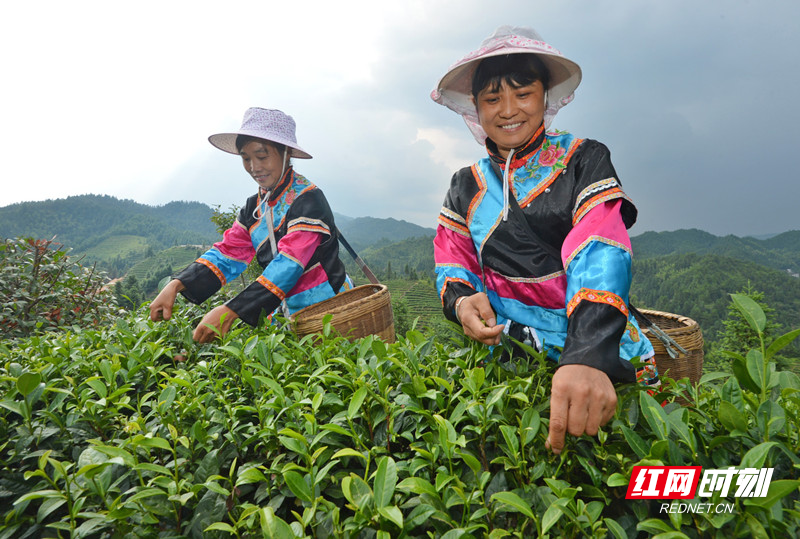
454	89
268	124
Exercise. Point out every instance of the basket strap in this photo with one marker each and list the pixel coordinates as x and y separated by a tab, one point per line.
274	245
669	343
359	261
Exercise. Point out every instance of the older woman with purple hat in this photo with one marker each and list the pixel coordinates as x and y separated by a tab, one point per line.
287	226
532	240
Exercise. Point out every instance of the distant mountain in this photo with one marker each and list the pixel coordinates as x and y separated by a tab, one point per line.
363	232
780	252
121	233
86	221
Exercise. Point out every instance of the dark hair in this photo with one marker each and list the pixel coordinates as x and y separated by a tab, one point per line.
242	140
516	70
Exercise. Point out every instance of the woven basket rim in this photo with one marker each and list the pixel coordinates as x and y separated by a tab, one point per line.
685	321
311	311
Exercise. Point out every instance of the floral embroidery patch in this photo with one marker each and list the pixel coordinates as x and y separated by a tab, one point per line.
550	156
633	332
539	172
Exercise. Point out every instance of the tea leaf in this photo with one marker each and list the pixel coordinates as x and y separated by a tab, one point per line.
385	482
781	342
770	418
778	490
297	484
551	517
393	514
155	441
356	401
617	480
731	417
757	530
654	415
28	382
514	502
751	311
348	452
755	368
221	526
615	528
250	475
417	485
357	492
273	526
756	457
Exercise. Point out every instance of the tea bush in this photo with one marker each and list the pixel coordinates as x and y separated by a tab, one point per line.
42	288
108	432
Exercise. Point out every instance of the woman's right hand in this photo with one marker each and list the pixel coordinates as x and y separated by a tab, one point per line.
478	319
161	307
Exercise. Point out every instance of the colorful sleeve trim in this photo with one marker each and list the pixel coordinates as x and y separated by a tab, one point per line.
269	285
453	216
453	225
597	296
308	225
596	187
213	268
610	194
600	239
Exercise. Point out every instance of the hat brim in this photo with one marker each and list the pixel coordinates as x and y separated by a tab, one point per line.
455	88
227	143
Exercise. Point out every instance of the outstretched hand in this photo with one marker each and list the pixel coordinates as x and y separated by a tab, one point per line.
221	318
478	319
161	307
581	401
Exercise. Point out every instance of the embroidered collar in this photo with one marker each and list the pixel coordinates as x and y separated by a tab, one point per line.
520	155
279	189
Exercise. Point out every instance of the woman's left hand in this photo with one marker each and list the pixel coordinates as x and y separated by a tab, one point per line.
582	400
219	317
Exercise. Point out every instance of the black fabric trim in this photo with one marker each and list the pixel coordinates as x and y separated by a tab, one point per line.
454	291
251	302
593	338
199	281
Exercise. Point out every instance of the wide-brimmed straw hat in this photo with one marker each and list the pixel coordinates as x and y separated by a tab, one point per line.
268	124
454	90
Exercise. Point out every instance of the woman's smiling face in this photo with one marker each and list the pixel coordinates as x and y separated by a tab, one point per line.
510	116
263	162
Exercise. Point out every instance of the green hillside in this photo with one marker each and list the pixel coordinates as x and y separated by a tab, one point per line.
698	286
362	232
780	252
169	260
123	246
83	223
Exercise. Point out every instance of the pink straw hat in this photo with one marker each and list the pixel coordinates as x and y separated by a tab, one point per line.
267	124
454	90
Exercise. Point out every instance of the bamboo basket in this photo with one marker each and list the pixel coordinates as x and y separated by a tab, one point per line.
685	332
355	313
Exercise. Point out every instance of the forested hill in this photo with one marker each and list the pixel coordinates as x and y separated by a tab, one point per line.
362	232
699	286
83	222
780	252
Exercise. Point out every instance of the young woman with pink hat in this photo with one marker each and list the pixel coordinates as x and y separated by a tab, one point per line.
532	240
287	226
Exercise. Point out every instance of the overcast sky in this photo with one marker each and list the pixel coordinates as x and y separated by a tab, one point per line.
698	101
